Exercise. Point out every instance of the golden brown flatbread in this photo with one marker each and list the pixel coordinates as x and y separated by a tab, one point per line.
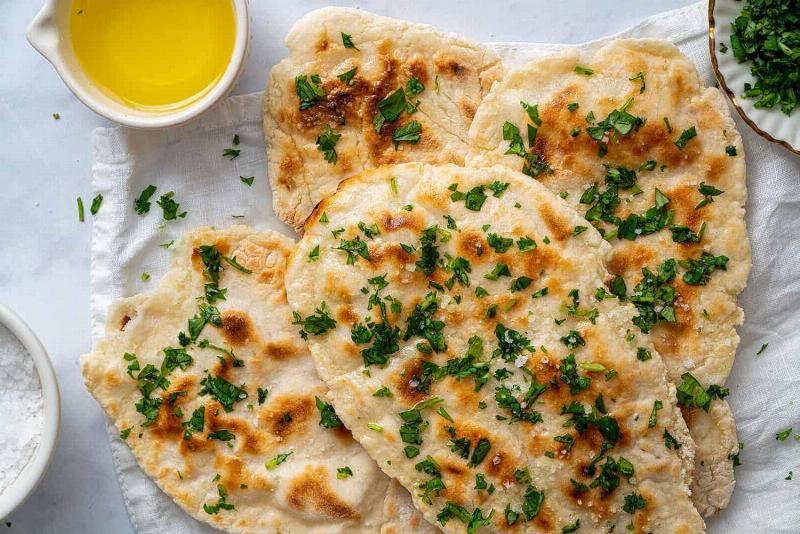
631	139
424	84
459	317
229	424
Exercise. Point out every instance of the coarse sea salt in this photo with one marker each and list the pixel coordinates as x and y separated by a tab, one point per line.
21	408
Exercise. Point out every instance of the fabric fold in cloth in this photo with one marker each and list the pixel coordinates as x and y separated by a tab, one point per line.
189	160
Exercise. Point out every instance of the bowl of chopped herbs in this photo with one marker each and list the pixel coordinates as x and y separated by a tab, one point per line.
755	53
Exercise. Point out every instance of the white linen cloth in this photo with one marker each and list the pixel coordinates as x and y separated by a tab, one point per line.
765	389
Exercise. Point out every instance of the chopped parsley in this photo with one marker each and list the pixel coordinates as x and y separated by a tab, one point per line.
670	442
583	70
653	420
327	415
498	243
685	137
618	122
475	197
347	76
699	271
500	269
708	192
221	503
142	204
783	435
317	324
308	90
347	41
247	180
639	76
409	132
278	460
654	296
422	324
326	143
691	393
633	502
765	34
343	472
354	248
534	163
96	203
222	435
231	153
569	375
224	392
170	207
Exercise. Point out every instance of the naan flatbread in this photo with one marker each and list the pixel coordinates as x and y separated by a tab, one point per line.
689	149
452	75
234	451
459	318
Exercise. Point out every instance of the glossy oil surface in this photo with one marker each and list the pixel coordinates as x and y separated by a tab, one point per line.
153	55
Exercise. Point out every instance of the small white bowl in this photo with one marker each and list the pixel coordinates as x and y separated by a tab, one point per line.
32	473
771	124
49	35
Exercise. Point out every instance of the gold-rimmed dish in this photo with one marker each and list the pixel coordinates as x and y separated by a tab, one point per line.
771	124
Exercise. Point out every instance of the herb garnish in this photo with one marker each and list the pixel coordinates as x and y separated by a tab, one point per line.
326	143
96	203
221	504
170	207
317	324
691	393
347	41
327	415
308	90
278	460
685	137
766	34
347	76
226	393
142	205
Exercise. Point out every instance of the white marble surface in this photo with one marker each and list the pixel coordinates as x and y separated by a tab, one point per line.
45	164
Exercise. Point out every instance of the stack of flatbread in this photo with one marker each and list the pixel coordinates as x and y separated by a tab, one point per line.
512	307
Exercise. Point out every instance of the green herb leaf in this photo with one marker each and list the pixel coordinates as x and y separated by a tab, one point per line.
685	137
142	205
308	90
347	76
170	207
278	460
326	143
96	203
328	417
347	41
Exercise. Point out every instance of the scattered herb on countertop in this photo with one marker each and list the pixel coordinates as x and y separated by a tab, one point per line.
170	207
96	203
142	204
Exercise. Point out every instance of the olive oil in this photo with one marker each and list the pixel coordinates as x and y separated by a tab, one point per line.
153	55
